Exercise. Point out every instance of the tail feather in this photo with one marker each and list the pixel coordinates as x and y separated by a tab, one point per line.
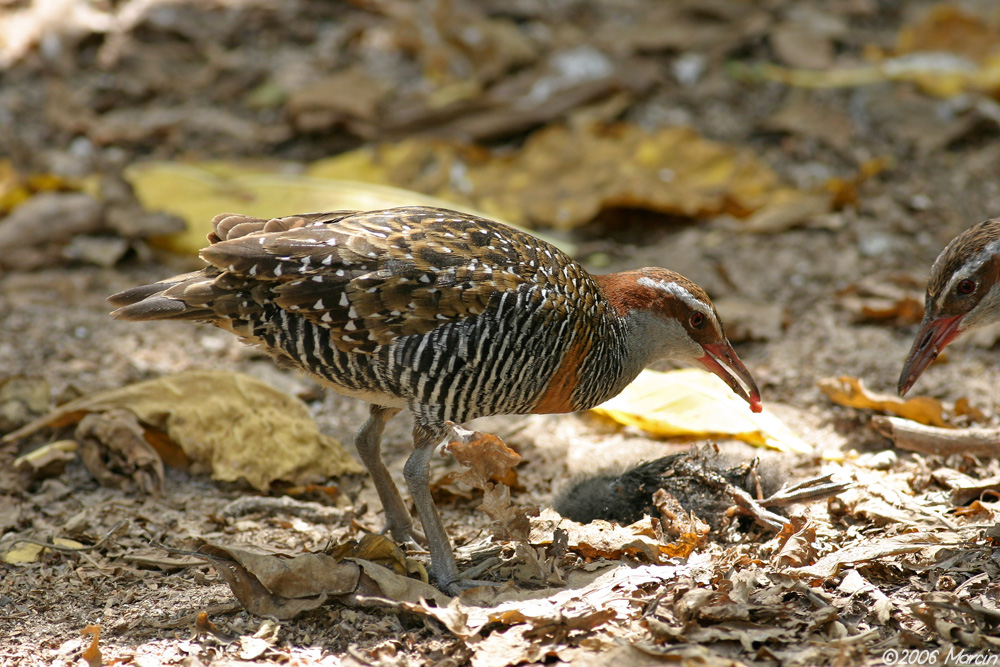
158	307
134	295
224	294
137	294
165	300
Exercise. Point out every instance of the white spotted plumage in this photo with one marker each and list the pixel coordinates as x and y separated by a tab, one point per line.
450	315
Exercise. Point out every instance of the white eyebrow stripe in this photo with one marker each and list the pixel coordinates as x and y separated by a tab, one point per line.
969	268
678	291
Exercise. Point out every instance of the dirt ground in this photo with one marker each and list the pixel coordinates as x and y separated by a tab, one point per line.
92	88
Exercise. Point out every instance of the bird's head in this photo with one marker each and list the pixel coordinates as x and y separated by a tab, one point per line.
677	320
963	293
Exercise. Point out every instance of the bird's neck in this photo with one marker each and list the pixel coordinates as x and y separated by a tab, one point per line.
625	344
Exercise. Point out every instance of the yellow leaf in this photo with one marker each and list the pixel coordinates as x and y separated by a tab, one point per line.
17	188
66	542
24	552
851	392
231	424
946	53
563	176
197	192
693	402
949	29
28	552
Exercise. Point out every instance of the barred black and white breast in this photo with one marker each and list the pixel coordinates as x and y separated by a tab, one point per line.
451	315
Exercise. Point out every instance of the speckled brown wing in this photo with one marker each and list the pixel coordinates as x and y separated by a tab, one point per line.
371	277
227	226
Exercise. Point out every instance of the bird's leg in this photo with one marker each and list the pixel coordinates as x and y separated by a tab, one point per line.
417	475
368	442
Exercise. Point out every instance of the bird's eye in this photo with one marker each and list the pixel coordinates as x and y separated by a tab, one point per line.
698	320
966	286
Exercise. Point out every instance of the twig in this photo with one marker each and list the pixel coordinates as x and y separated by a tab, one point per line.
743	500
910	435
766	517
60	547
813	488
310	511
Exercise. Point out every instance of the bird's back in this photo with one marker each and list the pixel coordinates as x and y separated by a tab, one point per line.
449	314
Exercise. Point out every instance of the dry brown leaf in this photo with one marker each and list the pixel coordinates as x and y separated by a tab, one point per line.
947	52
978	512
229	424
92	654
556	630
588	600
965	408
510	522
685	545
798	546
11	509
908	310
280	587
751	319
688	531
381	550
787	210
204	627
564	176
21	400
882	503
116	452
578	80
895	299
48	460
486	456
507	647
489	460
447	489
533	565
851	392
829	565
600	539
799	44
974	491
348	97
28	245
802	116
383	582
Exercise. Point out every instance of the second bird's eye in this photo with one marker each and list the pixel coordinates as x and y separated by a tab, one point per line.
966	286
698	320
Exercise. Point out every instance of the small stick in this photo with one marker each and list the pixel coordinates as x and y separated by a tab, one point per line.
813	488
915	437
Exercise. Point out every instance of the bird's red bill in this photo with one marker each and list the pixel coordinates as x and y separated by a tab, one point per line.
721	359
933	336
